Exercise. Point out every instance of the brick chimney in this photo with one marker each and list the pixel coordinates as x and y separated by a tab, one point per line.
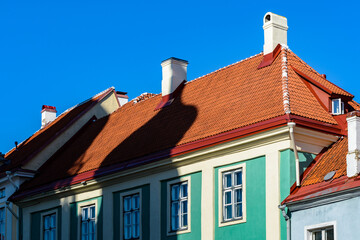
48	114
353	158
275	31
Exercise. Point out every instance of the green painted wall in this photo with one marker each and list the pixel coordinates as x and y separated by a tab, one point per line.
35	224
145	212
255	225
195	210
288	176
75	219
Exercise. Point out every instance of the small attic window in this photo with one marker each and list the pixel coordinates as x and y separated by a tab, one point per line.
337	106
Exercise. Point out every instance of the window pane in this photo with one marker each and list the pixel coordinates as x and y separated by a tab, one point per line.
136	199
336	105
127	232
53	221
174	222
84	229
228	199
85	213
317	235
53	234
47	235
238	210
136	230
227	180
330	234
228	212
184	206
184	220
238	178
127	218
135	217
46	222
175	192
238	195
92	212
127	203
183	190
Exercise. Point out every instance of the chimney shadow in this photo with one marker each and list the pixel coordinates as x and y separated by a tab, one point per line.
161	133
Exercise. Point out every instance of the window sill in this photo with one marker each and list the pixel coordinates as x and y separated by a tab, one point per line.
178	232
232	222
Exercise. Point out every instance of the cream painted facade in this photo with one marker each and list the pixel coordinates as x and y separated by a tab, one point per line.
268	144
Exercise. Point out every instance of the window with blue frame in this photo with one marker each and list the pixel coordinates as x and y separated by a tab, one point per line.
49	227
131	216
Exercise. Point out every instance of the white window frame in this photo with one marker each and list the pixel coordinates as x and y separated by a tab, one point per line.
122	195
87	204
42	215
221	171
322	226
341	105
4	207
168	203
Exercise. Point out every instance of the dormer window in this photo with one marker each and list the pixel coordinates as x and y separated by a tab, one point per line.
337	106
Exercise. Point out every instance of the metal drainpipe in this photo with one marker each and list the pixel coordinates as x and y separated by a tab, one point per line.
287	219
297	165
8	174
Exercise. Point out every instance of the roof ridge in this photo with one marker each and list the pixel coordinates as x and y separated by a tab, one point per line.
223	68
316	72
285	79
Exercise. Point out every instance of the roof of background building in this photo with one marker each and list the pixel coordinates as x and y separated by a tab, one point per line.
27	149
222	102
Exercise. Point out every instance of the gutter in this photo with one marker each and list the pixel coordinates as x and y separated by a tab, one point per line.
287	219
297	164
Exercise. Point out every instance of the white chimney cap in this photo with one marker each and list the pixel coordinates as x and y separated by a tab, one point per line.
174	72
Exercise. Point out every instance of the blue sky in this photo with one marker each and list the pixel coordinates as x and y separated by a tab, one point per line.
60	53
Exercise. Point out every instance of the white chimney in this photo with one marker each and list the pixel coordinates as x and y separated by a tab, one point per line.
353	158
48	114
275	31
174	71
122	97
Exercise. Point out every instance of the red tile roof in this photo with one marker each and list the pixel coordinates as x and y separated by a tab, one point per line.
230	98
30	147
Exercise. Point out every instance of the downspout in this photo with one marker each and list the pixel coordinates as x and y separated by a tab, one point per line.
297	165
287	219
8	174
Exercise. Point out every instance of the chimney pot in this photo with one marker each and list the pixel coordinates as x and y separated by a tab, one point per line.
353	158
275	31
48	114
174	72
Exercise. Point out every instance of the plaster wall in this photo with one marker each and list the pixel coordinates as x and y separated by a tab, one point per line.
343	214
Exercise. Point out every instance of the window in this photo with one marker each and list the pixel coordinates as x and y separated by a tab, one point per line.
323	234
179	206
231	195
2	223
49	227
88	222
337	106
131	216
325	231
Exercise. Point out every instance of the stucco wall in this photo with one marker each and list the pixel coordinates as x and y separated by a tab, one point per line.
344	214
